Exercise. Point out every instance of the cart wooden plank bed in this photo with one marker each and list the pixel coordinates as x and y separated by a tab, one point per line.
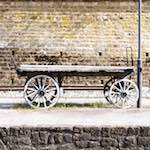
44	81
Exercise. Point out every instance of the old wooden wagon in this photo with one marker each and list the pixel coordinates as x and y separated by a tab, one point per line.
42	88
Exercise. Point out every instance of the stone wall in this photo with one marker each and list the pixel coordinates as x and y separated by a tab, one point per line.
76	138
71	32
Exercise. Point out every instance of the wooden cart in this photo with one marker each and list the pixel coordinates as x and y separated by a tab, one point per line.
42	88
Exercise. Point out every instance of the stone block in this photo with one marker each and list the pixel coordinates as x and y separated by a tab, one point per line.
25	132
143	141
67	138
13	131
81	144
24	141
93	144
28	148
45	147
51	139
127	142
105	132
35	138
93	131
77	129
43	137
108	142
67	147
118	131
133	131
3	133
58	138
85	136
144	131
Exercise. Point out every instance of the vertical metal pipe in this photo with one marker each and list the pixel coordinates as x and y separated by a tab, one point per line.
139	61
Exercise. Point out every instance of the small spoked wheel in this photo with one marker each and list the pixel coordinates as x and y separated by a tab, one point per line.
124	93
41	91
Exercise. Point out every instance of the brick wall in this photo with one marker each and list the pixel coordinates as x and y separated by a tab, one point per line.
70	32
76	138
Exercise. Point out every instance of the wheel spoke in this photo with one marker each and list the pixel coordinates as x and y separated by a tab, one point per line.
116	98
131	102
126	100
47	87
44	101
39	83
44	82
113	94
119	99
125	85
123	103
129	86
117	93
117	88
34	98
132	94
31	89
53	95
131	90
39	102
35	86
120	86
31	93
130	99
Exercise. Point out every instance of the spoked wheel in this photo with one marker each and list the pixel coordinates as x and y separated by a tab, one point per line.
107	89
41	91
124	93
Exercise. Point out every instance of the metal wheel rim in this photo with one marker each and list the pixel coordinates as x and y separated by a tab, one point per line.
124	93
50	92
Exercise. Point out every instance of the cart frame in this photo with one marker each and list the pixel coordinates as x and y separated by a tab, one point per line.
44	81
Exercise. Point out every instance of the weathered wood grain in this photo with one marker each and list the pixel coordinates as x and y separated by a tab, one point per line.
64	70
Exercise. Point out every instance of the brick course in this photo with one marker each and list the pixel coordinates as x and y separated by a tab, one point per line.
71	32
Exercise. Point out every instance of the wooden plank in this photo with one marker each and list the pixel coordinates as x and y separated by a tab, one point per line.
72	68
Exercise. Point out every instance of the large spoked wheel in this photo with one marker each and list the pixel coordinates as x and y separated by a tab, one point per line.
124	93
41	91
107	89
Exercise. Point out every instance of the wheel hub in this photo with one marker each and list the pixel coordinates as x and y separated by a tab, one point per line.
123	94
41	93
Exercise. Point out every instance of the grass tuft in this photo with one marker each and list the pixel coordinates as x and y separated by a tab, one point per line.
68	105
88	105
